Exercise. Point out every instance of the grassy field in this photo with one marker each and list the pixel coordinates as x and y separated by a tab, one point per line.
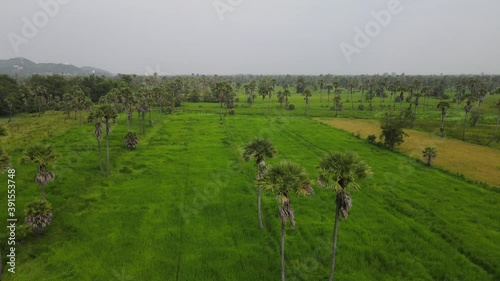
428	116
182	206
473	161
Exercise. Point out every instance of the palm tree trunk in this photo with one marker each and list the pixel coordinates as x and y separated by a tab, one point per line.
352	101
220	111
107	150
43	192
414	117
478	114
496	130
262	107
282	251
269	106
99	151
10	119
442	126
128	120
463	132
143	123
261	226
335	232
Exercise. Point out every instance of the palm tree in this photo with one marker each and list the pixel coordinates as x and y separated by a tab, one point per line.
338	104
127	99
482	91
321	83
339	171
38	215
416	102
329	88
429	153
44	156
468	108
284	179
258	149
222	91
497	105
109	115
265	89
351	86
98	120
443	106
307	94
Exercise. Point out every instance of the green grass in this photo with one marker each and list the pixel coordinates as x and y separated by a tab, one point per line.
428	116
182	206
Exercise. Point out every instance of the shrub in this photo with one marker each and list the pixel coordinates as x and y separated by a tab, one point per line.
131	140
38	215
291	107
361	107
22	231
232	112
392	130
371	139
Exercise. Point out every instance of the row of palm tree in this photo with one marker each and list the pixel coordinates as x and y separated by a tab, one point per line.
337	171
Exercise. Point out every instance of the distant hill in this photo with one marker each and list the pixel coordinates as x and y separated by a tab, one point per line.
24	67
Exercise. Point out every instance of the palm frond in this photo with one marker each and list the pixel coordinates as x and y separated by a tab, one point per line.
258	149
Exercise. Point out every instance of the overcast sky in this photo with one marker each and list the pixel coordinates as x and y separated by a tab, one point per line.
257	36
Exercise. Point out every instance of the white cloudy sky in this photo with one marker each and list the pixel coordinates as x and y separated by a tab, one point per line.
258	36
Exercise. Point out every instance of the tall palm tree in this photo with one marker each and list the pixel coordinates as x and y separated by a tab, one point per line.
468	108
443	106
265	89
321	83
284	179
286	94
222	91
109	115
96	117
352	84
329	88
497	105
44	156
416	102
259	149
339	171
482	91
307	94
338	103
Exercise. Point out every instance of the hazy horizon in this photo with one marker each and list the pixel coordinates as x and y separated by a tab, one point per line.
257	37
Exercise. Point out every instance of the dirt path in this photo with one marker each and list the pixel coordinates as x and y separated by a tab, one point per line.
473	161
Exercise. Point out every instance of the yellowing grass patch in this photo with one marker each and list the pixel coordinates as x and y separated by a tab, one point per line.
474	161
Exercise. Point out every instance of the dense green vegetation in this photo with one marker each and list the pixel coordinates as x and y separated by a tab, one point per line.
182	206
